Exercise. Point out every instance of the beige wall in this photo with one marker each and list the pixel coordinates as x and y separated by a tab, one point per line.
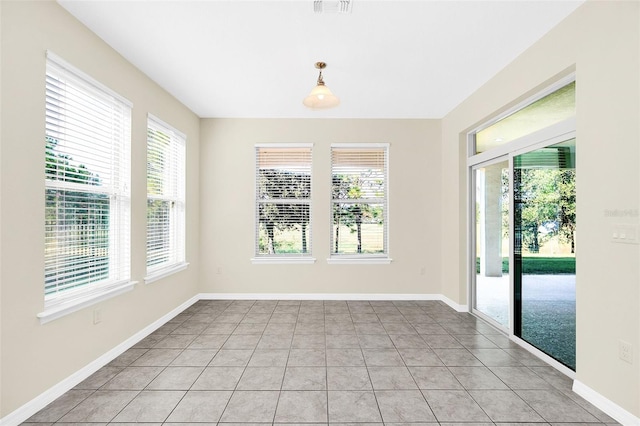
601	42
427	197
227	199
36	357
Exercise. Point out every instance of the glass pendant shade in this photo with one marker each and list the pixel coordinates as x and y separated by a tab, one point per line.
321	97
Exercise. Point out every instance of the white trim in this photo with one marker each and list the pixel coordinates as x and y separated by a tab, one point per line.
452	304
283	145
486	318
547	136
27	410
528	101
58	310
471	240
566	136
349	260
361	145
512	257
543	356
301	201
83	75
178	133
612	409
334	296
470	237
281	260
169	144
38	403
387	193
321	296
165	272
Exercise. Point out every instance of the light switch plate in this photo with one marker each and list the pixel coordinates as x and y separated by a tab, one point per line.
624	233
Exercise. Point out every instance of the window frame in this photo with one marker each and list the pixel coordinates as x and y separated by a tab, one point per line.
538	138
478	157
61	124
362	258
287	258
175	154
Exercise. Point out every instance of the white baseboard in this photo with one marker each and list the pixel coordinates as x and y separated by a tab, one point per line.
544	357
319	296
612	409
30	408
38	403
454	305
333	296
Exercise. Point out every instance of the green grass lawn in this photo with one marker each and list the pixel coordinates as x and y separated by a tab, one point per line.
290	240
540	265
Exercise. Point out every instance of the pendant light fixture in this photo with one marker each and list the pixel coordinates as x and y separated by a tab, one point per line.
321	97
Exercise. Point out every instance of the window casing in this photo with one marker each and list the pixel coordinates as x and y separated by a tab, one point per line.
359	202
283	202
529	142
166	149
554	105
87	187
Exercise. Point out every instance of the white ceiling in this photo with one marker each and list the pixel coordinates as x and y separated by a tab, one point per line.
387	59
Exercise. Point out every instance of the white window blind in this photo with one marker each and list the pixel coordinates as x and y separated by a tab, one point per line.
283	200
166	148
359	206
87	178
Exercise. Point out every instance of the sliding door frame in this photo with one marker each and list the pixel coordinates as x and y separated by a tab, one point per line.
472	238
551	135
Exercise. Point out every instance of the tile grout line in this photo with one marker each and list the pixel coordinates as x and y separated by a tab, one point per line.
220	349
184	349
455	323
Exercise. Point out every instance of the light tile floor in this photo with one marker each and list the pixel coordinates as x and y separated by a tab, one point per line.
319	363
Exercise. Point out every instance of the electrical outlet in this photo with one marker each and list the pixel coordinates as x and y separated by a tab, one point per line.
219	270
97	316
625	351
423	270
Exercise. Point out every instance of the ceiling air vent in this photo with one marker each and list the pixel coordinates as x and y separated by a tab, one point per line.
332	6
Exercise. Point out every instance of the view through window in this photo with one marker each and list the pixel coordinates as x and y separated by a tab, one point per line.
87	181
525	223
165	196
359	200
283	200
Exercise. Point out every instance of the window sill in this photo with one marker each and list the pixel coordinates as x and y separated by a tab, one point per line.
359	260
165	272
62	308
283	260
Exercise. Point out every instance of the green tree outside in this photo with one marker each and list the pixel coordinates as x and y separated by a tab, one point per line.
285	213
79	220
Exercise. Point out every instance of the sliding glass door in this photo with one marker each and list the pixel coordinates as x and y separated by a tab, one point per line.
544	275
522	223
492	284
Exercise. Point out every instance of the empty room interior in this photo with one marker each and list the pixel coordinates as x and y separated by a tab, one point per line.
320	212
